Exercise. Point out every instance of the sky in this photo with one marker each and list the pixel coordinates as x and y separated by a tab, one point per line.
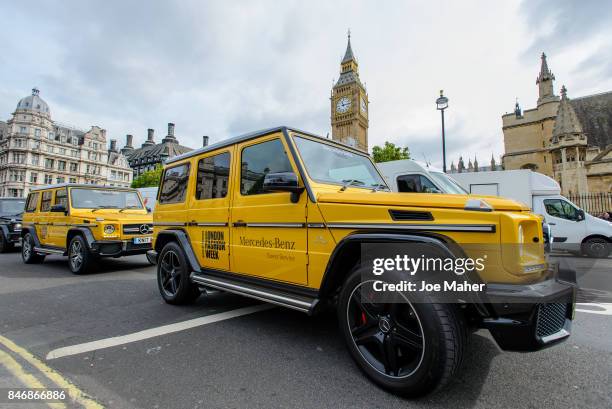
222	68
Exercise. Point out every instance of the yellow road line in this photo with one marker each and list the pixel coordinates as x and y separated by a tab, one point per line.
75	393
30	381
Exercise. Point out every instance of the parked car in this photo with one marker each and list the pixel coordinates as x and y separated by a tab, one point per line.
282	216
410	176
11	209
84	222
573	229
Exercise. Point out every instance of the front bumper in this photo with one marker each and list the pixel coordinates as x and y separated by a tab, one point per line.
152	256
14	237
532	317
118	248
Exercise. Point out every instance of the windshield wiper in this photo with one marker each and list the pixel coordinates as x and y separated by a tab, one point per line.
349	182
129	207
377	186
103	207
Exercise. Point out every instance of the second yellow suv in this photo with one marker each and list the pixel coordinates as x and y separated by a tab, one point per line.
84	222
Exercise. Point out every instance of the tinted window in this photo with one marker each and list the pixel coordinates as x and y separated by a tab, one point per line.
45	203
61	197
259	160
32	202
174	185
560	208
415	184
11	206
213	175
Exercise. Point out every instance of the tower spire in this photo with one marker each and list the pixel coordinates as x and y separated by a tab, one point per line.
545	82
348	55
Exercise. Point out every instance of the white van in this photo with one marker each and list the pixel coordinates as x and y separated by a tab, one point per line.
572	228
411	176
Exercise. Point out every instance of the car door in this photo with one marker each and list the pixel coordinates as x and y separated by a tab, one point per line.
567	228
268	232
209	210
59	228
43	219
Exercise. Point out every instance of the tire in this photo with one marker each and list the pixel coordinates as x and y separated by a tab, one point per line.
27	251
79	256
173	280
5	245
596	247
407	348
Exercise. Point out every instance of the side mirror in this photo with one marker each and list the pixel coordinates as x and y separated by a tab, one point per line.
580	214
59	208
149	210
283	182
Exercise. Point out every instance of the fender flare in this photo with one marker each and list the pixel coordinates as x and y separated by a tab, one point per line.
450	248
5	230
32	231
85	232
182	238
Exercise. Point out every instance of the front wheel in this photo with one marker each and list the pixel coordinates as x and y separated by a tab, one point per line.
5	245
407	348
79	257
596	247
28	254
173	280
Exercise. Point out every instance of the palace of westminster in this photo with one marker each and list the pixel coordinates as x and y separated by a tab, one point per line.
570	140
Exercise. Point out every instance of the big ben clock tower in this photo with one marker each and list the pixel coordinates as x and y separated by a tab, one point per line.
349	104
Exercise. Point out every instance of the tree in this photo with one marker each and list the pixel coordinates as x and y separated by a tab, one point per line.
389	152
150	178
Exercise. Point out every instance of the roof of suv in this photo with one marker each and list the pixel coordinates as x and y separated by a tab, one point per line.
253	135
79	185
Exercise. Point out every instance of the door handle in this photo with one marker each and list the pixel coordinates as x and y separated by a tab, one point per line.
552	224
239	223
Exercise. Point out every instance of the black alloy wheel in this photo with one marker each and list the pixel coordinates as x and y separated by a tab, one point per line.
173	280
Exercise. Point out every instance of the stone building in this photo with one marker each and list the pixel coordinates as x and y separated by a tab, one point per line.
474	167
567	139
349	104
151	154
35	151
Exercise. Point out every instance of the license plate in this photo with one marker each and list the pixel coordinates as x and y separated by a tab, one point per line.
142	240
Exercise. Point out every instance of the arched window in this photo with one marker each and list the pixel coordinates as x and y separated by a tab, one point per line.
530	166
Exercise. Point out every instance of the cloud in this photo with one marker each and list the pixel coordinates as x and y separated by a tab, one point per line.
224	68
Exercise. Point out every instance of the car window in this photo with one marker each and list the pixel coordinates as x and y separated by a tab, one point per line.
174	185
61	197
415	184
32	202
213	176
259	160
561	208
45	203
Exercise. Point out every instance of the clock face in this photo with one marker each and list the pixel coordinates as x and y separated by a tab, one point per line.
364	107
343	105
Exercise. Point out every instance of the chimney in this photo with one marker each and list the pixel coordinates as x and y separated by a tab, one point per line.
170	129
128	141
205	140
170	138
113	145
150	136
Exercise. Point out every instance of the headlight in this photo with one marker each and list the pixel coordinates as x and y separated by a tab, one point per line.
17	226
109	229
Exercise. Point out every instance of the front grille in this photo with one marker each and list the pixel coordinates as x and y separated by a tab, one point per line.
402	215
551	318
135	228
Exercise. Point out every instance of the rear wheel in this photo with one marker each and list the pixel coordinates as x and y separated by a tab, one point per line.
173	280
79	257
5	245
596	247
28	254
407	348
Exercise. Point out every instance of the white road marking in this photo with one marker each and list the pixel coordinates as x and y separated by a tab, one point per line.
154	332
599	308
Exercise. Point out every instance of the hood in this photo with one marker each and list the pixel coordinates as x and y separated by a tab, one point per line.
449	201
604	226
127	216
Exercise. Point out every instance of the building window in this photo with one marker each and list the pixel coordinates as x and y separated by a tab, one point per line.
37	132
50	148
60	179
23	129
48	179
72	180
213	173
49	163
74	153
19	143
33	177
51	136
15	192
259	160
62	151
19	157
174	184
61	165
35	159
73	167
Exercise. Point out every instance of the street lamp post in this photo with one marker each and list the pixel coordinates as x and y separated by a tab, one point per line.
441	105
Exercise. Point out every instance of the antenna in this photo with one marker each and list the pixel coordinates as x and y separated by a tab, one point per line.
427	162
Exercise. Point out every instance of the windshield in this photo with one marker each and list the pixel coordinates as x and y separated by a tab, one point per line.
104	198
11	206
447	184
330	164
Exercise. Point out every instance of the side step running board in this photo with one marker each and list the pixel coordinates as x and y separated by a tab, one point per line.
48	251
282	298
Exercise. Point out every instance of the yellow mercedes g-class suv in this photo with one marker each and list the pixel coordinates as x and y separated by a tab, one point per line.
301	221
84	222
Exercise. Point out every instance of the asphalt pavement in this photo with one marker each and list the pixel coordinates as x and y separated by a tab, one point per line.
110	337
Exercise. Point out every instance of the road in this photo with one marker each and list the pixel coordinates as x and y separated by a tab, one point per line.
110	337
